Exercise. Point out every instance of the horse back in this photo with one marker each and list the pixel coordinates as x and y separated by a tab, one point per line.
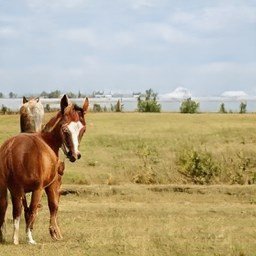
27	162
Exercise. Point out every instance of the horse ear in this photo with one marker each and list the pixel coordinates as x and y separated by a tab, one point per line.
85	105
63	103
24	100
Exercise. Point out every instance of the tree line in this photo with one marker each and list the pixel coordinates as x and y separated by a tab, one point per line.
147	102
44	94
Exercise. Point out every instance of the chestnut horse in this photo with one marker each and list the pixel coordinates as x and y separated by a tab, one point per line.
31	115
30	163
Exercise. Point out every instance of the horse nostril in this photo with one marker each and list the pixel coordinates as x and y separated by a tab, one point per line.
78	156
72	159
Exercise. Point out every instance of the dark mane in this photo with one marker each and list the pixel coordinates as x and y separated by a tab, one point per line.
52	123
77	108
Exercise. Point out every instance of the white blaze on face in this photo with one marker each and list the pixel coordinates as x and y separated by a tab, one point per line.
75	128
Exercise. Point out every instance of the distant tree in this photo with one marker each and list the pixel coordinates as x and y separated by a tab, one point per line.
4	109
71	95
97	94
118	107
54	94
44	94
243	106
222	108
97	108
149	104
12	95
81	95
1	95
47	108
189	106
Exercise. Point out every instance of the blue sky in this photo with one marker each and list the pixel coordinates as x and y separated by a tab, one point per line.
207	46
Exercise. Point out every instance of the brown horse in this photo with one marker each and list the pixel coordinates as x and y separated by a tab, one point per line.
31	115
30	163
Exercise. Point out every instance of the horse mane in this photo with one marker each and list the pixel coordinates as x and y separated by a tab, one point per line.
77	108
52	123
68	110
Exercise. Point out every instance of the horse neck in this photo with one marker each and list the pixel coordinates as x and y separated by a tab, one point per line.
52	136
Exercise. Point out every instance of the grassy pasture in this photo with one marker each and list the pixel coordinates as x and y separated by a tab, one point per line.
111	215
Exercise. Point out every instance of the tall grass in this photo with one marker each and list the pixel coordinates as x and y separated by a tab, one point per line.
135	147
147	148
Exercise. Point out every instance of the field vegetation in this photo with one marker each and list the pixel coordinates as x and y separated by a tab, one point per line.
153	184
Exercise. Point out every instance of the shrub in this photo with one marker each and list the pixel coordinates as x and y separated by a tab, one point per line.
47	108
222	109
239	167
4	109
189	106
118	107
243	106
146	173
97	107
149	104
198	167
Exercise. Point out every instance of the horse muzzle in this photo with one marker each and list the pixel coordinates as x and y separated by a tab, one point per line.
73	156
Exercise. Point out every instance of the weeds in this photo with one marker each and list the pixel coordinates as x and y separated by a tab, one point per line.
198	167
146	173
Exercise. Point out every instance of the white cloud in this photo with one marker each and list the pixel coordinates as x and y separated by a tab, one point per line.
80	35
179	93
167	33
125	38
49	4
173	35
220	17
8	32
226	67
139	4
235	94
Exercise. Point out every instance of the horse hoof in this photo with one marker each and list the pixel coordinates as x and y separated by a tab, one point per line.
2	240
32	242
55	234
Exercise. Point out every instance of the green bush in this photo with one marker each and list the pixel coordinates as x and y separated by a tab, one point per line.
149	104
243	106
118	107
4	109
47	108
146	172
222	109
97	107
189	106
198	167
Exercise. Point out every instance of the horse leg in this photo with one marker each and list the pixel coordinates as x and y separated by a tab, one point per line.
3	207
30	214
16	213
53	196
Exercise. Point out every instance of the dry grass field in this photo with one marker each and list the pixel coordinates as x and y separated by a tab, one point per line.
128	195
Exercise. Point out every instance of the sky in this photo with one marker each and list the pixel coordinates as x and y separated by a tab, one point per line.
206	46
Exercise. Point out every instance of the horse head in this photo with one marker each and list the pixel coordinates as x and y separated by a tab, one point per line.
73	127
31	115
